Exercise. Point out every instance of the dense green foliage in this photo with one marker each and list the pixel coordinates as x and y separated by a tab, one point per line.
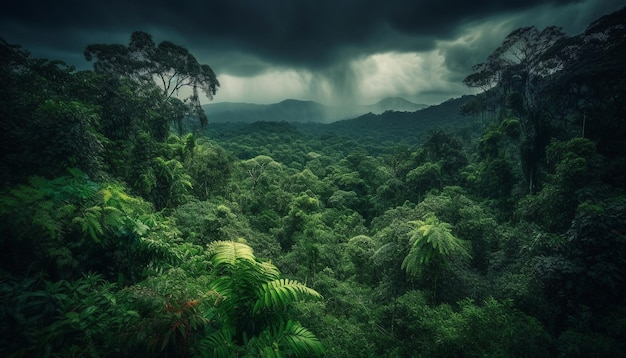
500	234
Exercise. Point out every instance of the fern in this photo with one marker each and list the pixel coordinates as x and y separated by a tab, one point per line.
431	241
279	294
44	219
89	223
229	253
113	195
287	338
219	343
114	218
245	288
237	271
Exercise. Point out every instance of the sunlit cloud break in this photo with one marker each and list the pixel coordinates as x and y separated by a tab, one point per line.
414	75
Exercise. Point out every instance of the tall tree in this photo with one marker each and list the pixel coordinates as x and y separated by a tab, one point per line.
169	66
512	75
588	88
517	64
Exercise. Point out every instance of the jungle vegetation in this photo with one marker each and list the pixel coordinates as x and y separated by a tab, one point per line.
130	226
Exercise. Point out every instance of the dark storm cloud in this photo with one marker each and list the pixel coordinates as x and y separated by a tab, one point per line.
286	32
251	37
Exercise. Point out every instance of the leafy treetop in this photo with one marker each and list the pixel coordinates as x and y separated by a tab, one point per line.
170	66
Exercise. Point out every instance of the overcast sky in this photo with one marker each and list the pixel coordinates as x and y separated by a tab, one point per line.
330	51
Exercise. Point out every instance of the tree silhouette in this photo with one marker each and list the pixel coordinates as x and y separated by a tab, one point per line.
170	66
513	74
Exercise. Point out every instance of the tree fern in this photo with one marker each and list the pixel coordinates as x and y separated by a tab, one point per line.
114	214
237	260
431	241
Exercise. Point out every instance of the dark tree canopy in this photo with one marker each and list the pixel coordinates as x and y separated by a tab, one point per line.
170	66
517	63
513	75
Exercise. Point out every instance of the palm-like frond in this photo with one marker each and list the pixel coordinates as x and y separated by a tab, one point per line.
238	274
278	294
250	292
218	344
287	338
229	253
238	260
431	239
224	286
268	271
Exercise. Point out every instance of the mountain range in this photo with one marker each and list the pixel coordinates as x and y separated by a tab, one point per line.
292	110
396	126
368	129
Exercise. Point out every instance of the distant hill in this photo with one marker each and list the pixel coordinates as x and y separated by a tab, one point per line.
397	104
222	107
395	126
374	131
286	111
296	111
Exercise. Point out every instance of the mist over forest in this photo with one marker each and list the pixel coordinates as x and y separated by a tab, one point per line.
134	222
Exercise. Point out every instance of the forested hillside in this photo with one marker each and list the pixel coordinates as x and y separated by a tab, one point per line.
393	127
132	226
291	110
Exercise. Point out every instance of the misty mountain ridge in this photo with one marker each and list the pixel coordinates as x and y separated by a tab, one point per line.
374	129
292	110
395	125
397	104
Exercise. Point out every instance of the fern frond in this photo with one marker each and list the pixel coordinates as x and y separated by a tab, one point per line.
227	253
139	228
302	341
113	217
89	222
106	194
289	337
160	250
268	271
28	194
222	285
270	352
278	294
431	239
218	344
